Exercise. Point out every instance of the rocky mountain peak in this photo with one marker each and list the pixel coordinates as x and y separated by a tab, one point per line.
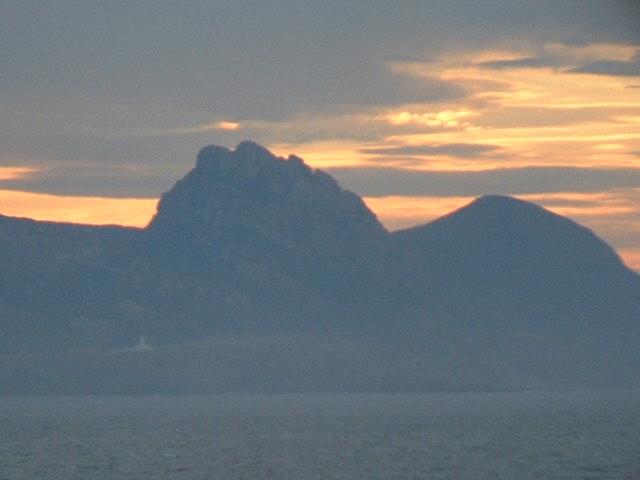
249	193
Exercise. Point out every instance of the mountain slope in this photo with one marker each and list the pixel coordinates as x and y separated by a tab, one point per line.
256	264
262	243
526	253
59	283
523	280
248	195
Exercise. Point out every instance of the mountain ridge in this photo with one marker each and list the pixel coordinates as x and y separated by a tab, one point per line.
498	294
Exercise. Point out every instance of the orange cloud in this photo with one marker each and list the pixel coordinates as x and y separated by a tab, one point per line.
324	154
518	108
15	173
442	118
538	116
226	125
205	127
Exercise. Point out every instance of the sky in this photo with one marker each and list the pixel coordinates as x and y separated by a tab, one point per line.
417	106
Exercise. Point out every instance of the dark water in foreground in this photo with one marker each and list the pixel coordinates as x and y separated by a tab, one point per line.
447	436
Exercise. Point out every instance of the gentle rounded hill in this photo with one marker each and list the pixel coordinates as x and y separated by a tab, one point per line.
497	236
507	248
534	286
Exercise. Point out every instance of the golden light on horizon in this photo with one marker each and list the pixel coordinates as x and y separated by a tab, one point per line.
528	107
395	212
131	212
631	258
398	212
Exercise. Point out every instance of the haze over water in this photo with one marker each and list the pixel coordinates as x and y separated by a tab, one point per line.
303	437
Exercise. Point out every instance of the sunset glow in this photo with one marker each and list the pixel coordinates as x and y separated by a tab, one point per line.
14	173
548	114
131	212
395	212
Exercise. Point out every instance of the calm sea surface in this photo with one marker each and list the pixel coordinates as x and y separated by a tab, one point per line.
443	436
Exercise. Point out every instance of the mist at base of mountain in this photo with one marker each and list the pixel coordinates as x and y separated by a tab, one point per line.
315	363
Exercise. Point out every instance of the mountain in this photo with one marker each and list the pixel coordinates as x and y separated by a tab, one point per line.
260	243
58	285
532	285
510	251
258	273
251	201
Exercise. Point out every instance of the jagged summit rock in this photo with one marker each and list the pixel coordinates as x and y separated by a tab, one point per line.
248	158
520	266
251	190
267	236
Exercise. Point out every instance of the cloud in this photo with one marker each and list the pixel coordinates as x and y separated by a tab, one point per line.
115	181
379	182
610	67
524	62
620	59
205	127
433	119
15	173
465	150
222	125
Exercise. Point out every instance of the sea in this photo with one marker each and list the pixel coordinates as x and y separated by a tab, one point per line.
515	436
